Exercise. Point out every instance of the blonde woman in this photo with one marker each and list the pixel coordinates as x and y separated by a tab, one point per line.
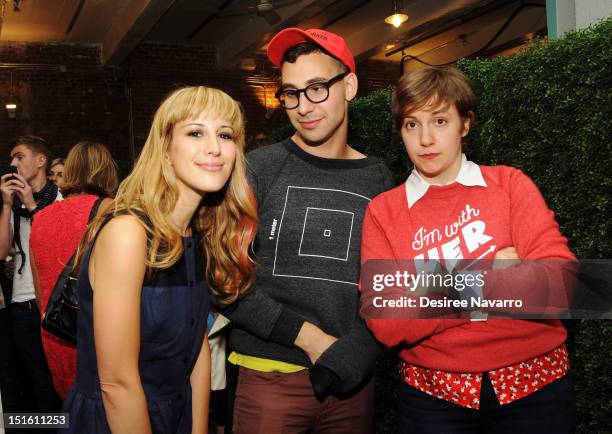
144	359
91	172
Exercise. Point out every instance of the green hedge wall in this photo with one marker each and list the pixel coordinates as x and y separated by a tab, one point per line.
546	110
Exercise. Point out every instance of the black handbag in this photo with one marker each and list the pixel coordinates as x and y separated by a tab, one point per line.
61	312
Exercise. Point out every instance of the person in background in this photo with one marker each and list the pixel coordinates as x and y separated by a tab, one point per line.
181	224
11	384
23	195
56	171
469	374
90	173
15	394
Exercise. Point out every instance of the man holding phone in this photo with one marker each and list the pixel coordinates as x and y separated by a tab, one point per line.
24	193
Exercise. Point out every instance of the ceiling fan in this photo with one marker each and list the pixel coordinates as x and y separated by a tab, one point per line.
263	8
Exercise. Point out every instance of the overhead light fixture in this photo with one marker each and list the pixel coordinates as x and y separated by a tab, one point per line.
11	109
397	16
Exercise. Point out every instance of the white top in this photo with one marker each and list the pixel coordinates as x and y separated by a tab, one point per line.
23	284
469	175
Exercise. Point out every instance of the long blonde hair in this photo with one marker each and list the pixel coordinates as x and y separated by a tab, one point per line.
226	220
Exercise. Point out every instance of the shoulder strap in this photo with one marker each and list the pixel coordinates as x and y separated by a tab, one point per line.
94	209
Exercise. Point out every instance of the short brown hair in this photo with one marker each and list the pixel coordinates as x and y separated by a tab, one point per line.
36	144
433	86
90	168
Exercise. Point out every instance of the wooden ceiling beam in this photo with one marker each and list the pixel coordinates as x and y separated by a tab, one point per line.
135	22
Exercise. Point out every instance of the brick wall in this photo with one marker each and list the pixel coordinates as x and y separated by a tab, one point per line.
156	69
71	100
375	75
75	98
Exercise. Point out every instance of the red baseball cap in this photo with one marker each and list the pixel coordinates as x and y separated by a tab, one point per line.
330	42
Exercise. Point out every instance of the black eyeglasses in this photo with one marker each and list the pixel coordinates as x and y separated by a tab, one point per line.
315	92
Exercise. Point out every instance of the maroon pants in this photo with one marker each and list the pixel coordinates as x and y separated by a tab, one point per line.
275	403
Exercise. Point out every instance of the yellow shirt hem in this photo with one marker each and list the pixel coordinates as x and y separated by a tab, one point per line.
263	365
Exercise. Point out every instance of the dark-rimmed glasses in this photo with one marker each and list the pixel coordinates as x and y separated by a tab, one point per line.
315	92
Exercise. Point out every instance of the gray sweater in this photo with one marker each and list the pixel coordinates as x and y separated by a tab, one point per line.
307	249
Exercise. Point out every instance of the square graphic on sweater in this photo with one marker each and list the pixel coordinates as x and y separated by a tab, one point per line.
327	233
318	235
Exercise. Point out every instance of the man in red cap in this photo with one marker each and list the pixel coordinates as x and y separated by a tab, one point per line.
305	355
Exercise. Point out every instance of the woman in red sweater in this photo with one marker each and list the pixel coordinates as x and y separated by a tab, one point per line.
472	373
90	173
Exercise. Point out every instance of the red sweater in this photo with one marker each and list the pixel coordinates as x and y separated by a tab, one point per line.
55	236
469	222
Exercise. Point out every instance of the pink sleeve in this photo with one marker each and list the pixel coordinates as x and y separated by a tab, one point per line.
535	232
546	277
375	245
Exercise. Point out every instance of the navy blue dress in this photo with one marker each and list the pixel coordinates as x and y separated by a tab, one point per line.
174	308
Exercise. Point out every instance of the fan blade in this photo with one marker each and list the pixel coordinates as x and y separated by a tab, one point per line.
271	17
282	4
237	12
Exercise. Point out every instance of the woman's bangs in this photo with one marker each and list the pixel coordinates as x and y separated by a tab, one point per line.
192	102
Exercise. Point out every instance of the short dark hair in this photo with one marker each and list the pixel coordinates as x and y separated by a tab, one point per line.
303	48
35	144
